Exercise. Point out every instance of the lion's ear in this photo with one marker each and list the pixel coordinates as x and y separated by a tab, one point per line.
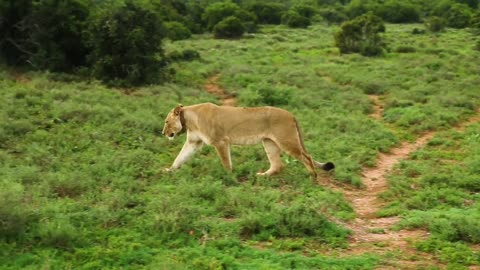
178	109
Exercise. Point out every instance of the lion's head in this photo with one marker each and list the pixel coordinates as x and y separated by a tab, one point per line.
174	123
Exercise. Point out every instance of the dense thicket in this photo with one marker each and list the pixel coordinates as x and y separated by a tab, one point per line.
62	35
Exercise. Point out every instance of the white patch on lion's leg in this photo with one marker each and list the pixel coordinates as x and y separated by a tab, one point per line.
188	149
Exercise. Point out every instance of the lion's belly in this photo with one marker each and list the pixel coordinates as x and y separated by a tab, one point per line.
253	139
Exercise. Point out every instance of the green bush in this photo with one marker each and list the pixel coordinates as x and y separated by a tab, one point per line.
357	8
230	27
126	43
361	35
177	31
267	13
266	95
295	20
185	55
217	12
405	49
398	12
435	24
248	19
305	10
458	16
14	216
333	15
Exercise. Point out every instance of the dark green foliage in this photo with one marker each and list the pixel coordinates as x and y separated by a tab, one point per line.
295	20
435	24
217	12
267	12
126	43
475	22
333	14
177	31
456	15
395	11
305	10
361	35
417	31
58	46
405	49
35	36
230	27
185	55
248	19
14	31
359	7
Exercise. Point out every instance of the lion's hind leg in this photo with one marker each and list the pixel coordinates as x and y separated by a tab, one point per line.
295	150
273	154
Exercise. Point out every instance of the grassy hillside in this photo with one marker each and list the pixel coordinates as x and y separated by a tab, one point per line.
82	185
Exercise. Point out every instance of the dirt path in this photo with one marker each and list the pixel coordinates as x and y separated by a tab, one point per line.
212	87
372	234
377	107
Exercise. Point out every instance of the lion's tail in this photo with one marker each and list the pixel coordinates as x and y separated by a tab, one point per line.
325	166
328	166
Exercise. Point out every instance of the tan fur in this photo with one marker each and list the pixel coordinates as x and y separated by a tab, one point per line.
221	127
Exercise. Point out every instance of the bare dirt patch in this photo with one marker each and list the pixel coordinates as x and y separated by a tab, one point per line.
212	87
377	107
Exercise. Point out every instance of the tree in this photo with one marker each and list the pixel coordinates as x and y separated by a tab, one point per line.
56	34
47	34
126	44
361	35
14	30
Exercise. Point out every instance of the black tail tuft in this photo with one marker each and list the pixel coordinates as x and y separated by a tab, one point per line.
328	166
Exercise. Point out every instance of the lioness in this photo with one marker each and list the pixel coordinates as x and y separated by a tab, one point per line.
222	126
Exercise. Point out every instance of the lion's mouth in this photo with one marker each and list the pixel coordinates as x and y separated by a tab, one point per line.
171	136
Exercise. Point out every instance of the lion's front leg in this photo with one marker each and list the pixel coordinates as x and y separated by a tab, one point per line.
223	151
188	149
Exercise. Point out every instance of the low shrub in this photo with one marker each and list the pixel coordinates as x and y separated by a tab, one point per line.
230	27
295	20
267	95
435	24
405	49
177	31
14	215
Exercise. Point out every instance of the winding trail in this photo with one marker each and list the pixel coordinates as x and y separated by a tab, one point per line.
212	87
373	234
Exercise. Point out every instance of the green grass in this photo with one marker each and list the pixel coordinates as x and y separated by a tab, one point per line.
82	184
437	190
